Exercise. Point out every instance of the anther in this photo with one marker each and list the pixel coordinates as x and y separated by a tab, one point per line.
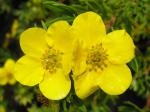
96	58
51	59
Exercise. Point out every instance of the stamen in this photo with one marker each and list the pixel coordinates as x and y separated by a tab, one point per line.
51	59
96	58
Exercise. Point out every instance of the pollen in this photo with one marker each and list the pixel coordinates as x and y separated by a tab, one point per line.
96	58
51	59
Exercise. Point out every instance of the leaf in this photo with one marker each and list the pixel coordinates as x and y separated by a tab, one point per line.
134	65
67	18
35	108
44	25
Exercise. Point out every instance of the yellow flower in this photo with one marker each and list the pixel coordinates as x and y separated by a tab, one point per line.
2	108
13	31
14	27
47	60
100	59
6	73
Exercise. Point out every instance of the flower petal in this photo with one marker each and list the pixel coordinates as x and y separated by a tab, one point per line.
59	36
67	62
119	46
3	76
28	71
79	60
115	79
9	65
11	81
3	81
3	72
89	28
32	41
55	86
86	84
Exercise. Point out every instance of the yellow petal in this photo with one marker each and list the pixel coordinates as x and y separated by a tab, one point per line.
3	72
58	35
55	86
3	81
9	65
32	41
11	81
79	60
28	71
86	84
2	108
119	46
115	79
67	62
3	76
89	28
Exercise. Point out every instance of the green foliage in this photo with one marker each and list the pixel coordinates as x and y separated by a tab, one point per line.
130	107
132	15
23	95
35	108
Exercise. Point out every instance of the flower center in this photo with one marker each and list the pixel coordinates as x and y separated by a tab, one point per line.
51	60
96	58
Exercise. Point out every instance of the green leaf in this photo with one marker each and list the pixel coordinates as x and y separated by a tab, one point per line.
134	65
44	25
67	18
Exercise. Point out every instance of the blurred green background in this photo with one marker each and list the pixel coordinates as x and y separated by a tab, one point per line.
132	15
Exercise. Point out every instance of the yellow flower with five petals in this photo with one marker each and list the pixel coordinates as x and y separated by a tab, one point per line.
6	73
99	58
47	60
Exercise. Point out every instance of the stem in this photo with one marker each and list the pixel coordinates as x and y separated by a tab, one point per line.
135	106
